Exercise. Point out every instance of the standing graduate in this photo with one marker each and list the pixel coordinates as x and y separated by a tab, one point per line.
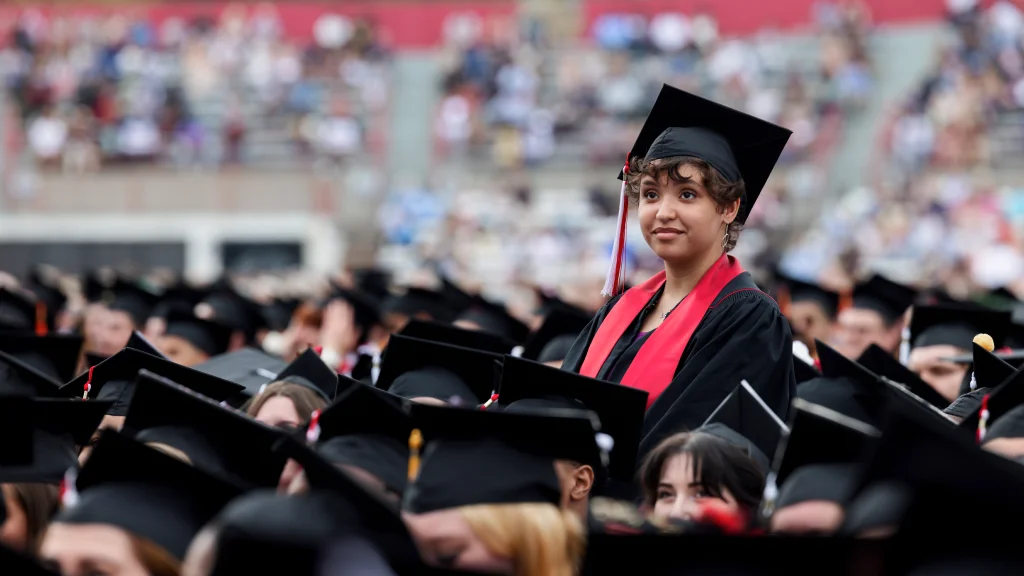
691	333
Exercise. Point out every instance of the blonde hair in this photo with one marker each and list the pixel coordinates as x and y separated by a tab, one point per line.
304	399
154	558
541	539
170	451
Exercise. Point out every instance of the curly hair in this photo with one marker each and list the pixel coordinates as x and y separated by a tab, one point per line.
722	191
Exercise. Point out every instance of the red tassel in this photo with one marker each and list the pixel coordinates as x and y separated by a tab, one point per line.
983	420
318	350
717	514
615	281
88	384
313	432
42	328
492	400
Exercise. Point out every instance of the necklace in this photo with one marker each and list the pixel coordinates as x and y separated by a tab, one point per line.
664	315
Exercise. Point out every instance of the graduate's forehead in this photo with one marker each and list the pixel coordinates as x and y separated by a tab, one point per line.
672	171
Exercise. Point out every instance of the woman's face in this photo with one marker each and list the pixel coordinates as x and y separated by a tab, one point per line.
14	530
445	539
179	350
680	220
279	411
89	549
680	493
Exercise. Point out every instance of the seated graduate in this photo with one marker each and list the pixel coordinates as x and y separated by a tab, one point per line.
690	333
484	495
940	332
303	386
189	340
810	309
874	317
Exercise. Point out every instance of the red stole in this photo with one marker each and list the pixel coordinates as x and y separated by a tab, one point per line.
655	364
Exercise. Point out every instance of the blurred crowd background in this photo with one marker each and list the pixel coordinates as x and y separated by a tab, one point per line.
479	141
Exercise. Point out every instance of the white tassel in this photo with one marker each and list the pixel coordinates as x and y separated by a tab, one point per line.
69	488
375	370
905	347
517	351
616	268
770	495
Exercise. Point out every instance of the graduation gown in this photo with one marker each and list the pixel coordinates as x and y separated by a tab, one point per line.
742	335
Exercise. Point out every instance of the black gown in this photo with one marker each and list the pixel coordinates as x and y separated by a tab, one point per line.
743	336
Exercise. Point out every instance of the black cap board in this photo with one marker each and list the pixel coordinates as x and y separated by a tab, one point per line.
884	296
1001	400
219	440
147	493
310	371
957	326
737	145
804	371
365	306
17	310
367	431
17	428
277	314
882	363
528	385
246	367
478	457
495	318
457	298
19	377
987	369
134	300
832	482
229	307
967	403
142	344
59	427
208	336
448	334
744	413
53	355
793	290
373	281
417	303
180	296
114	379
413	368
559	323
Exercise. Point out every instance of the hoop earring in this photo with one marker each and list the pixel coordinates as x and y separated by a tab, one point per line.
725	241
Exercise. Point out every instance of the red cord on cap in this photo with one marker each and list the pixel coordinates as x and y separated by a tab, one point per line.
983	419
491	400
42	328
88	384
318	350
313	432
718	515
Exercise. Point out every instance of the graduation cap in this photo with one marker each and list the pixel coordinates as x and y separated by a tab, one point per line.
882	363
495	318
457	298
17	311
247	367
373	281
804	371
884	296
56	356
528	385
817	435
219	440
114	379
136	341
134	300
986	369
17	418
448	334
19	377
147	493
225	305
414	368
277	315
310	371
479	457
181	296
417	302
52	296
745	421
791	290
58	427
559	326
365	306
367	431
956	325
208	336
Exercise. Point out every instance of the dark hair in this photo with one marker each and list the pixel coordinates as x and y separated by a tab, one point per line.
39	502
722	191
716	464
304	399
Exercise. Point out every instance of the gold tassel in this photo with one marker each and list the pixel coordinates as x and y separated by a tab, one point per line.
415	444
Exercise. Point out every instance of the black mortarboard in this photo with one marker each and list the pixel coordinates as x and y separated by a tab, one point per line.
967	404
229	307
448	334
528	385
53	355
17	311
833	482
457	298
373	280
368	431
479	457
277	314
884	296
365	307
804	371
744	413
1005	397
142	344
416	302
495	318
178	297
819	435
20	563
737	145
219	440
59	427
114	379
882	363
134	300
799	291
549	304
413	368
209	336
246	367
956	325
879	505
17	429
51	296
987	369
310	371
18	377
147	493
557	323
